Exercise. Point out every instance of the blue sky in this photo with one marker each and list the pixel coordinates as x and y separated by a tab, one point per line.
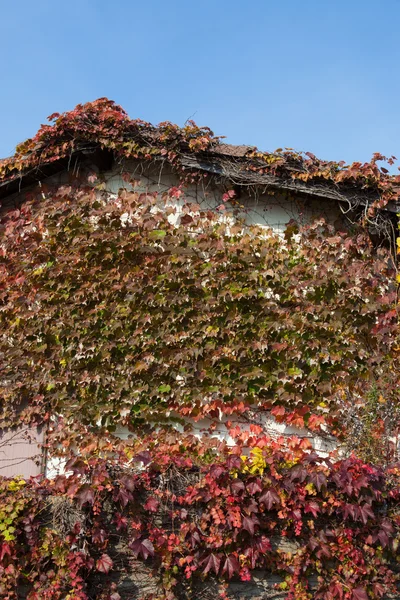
313	75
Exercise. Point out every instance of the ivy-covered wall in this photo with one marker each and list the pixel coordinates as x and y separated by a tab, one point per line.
120	311
265	210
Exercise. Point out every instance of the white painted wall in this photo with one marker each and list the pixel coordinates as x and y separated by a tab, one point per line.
270	210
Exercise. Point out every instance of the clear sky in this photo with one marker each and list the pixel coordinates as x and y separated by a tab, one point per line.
315	75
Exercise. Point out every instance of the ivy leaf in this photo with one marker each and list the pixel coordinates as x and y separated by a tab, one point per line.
104	564
142	547
164	389
237	486
144	457
122	496
383	538
300	473
233	462
194	538
121	522
231	566
349	510
313	543
85	495
254	486
336	591
157	234
249	524
312	507
212	563
98	535
270	498
262	544
152	505
319	480
365	512
387	527
127	482
217	470
323	550
186	219
379	590
228	195
77	466
359	593
5	549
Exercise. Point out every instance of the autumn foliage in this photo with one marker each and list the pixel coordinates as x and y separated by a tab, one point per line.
156	314
194	512
112	314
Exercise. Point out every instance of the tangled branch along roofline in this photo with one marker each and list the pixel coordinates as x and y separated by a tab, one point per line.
191	150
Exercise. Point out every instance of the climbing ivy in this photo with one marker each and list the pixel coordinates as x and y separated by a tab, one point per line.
111	321
156	314
194	514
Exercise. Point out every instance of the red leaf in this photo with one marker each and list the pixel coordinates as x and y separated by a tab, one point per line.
378	588
152	505
336	591
278	411
313	543
254	486
319	480
324	550
383	538
85	495
387	527
360	594
249	523
262	544
143	547
299	473
212	563
122	496
237	486
228	195
194	538
121	522
175	192
233	462
217	470
311	507
99	535
143	457
365	512
128	483
349	510
77	466
186	219
104	564
270	498
5	549
231	566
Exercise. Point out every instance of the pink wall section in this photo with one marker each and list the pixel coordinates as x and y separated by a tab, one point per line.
20	452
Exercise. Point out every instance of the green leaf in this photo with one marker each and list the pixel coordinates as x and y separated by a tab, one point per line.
165	388
157	234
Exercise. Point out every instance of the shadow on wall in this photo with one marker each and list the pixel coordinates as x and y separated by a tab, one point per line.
21	452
